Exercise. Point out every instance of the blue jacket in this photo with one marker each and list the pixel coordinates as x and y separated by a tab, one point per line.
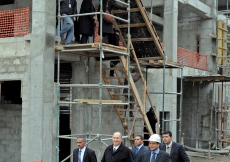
140	153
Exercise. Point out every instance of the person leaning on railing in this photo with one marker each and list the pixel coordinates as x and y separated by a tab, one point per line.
107	28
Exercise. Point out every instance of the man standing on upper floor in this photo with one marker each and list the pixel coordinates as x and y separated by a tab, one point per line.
117	152
176	151
68	7
155	154
83	153
139	149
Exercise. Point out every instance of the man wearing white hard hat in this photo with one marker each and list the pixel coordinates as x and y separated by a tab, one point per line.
155	154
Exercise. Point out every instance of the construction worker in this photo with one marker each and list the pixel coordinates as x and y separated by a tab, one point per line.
155	154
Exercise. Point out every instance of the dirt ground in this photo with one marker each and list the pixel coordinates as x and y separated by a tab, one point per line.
216	158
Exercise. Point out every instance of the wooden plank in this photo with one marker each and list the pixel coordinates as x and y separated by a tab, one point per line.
97	101
212	36
149	58
213	54
141	39
132	25
149	27
170	63
122	11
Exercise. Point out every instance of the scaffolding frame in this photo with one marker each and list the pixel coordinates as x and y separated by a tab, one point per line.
222	39
164	92
100	85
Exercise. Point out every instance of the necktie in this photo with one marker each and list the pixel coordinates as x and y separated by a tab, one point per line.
79	156
152	157
114	150
136	150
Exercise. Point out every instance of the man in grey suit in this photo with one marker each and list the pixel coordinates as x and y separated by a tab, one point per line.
83	153
155	154
139	148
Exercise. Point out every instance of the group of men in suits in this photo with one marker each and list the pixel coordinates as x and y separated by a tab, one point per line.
117	152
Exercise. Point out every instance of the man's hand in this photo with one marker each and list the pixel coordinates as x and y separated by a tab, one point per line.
74	18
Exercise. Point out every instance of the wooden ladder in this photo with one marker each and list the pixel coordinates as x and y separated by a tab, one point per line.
129	123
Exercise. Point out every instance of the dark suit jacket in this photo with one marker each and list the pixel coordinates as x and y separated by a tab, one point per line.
161	157
140	153
122	154
177	153
89	155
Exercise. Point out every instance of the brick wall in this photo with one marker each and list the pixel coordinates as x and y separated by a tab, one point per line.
10	133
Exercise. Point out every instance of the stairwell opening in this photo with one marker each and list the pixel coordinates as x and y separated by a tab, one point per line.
10	120
64	126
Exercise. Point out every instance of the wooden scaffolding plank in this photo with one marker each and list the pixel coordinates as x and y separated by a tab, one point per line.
132	25
97	101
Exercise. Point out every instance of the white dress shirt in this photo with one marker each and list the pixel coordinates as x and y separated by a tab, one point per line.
82	152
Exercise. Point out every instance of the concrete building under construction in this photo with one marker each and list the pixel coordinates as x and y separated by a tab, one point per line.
50	93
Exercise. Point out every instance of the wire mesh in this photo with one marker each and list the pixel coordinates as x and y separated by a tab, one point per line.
14	22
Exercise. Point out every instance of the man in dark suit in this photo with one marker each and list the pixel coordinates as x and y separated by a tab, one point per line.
176	151
139	148
155	154
117	152
83	153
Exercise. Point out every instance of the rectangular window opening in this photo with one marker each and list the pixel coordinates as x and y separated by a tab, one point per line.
166	123
10	92
6	2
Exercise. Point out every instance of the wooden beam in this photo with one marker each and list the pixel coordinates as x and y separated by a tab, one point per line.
141	39
132	25
122	11
97	101
213	54
150	58
212	36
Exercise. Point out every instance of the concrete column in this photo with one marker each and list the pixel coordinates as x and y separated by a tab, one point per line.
79	111
170	29
170	48
37	135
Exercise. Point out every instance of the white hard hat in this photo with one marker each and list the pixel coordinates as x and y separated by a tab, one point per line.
155	138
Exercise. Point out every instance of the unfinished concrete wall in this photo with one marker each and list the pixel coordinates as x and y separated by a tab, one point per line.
31	60
197	101
10	132
85	118
192	34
